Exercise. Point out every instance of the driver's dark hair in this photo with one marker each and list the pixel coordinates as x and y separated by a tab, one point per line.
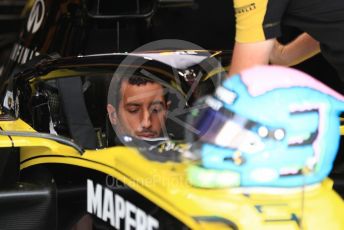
115	91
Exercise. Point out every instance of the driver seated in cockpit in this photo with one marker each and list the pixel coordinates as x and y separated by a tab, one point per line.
138	112
137	107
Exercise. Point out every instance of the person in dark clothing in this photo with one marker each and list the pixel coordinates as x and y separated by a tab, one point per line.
258	24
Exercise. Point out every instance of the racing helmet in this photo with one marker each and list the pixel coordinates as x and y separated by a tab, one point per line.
267	126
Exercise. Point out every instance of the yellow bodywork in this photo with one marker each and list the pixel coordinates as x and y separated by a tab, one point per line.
165	184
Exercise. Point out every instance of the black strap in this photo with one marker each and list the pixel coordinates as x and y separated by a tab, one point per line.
79	123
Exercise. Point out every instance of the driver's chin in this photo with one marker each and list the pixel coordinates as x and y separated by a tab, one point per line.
140	134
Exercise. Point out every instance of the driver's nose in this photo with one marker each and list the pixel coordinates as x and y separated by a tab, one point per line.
146	119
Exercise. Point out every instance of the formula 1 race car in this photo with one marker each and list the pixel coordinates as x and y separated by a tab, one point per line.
64	166
67	175
65	96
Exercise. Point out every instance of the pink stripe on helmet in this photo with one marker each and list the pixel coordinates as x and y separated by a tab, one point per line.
271	77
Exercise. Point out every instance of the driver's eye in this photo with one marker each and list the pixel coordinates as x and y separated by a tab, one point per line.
133	109
156	109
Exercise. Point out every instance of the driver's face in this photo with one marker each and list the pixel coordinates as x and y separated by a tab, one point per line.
142	110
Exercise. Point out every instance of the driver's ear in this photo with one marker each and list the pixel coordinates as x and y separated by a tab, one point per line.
112	114
168	104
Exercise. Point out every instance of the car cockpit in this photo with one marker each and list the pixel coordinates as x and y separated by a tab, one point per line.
70	97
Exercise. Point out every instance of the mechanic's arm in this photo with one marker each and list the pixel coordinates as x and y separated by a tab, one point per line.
246	55
295	52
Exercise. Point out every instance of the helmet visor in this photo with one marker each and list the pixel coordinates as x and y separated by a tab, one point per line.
225	128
